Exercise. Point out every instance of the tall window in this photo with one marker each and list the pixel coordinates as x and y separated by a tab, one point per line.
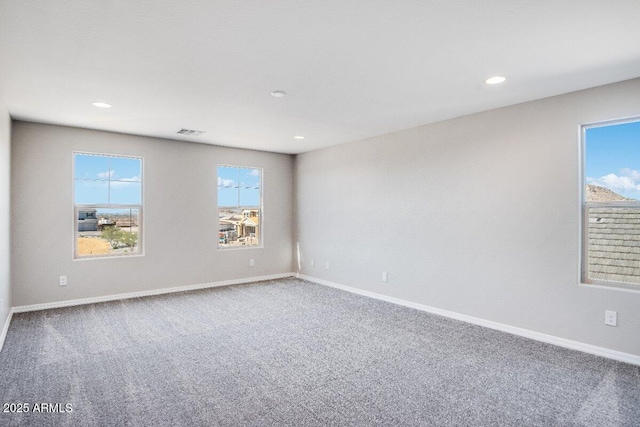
611	204
108	205
239	207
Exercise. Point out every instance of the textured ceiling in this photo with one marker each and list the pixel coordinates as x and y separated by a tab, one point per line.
351	68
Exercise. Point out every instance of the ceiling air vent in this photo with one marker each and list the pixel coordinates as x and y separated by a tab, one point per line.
191	132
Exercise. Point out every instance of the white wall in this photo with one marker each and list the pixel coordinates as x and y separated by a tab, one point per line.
180	217
5	171
477	215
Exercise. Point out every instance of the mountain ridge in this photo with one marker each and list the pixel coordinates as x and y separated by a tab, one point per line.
596	193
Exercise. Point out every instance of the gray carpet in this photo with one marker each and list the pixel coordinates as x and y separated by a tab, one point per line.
292	353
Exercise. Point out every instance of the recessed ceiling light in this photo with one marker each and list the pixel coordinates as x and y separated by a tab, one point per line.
495	80
298	137
101	104
278	93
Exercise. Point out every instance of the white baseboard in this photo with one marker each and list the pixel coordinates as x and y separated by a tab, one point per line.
550	339
5	328
92	300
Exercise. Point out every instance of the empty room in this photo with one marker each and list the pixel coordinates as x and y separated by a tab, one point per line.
320	213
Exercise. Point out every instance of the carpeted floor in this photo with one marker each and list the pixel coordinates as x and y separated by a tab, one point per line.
292	353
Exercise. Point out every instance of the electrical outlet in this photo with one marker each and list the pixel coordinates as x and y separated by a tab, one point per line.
611	318
251	262
63	280
326	265
385	276
313	262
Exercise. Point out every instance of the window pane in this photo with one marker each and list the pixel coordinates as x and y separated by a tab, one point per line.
125	193
91	167
107	180
238	227
104	231
612	163
228	196
249	187
124	169
614	244
228	186
91	174
91	192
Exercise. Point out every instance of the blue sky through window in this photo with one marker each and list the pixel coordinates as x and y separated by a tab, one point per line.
108	180
238	187
612	158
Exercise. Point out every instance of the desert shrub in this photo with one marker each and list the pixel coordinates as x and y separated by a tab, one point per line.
118	238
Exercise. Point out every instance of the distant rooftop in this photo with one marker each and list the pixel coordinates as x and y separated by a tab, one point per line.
614	244
614	238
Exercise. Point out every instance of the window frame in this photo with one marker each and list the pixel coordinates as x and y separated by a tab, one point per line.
586	206
76	207
260	244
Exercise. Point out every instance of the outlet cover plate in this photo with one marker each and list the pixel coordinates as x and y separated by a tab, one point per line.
611	318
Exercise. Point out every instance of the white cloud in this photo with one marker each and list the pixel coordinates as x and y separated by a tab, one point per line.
107	174
627	182
255	172
225	182
121	182
633	174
